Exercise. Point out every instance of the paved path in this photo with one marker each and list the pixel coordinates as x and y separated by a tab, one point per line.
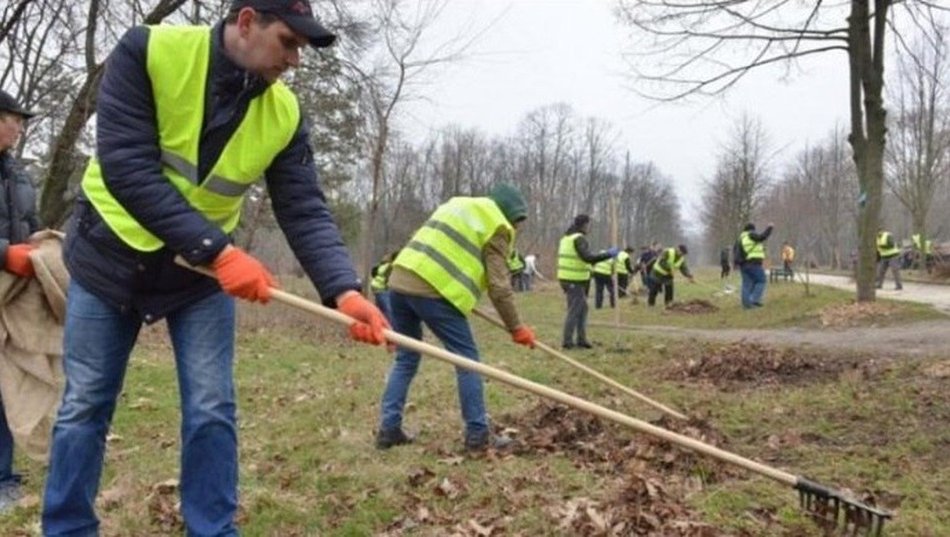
920	338
925	293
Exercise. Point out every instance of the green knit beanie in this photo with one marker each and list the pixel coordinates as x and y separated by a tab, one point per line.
510	201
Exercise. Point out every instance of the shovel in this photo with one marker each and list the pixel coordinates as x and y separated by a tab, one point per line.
600	376
828	505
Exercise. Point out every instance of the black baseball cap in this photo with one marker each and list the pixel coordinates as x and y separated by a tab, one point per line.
295	13
9	104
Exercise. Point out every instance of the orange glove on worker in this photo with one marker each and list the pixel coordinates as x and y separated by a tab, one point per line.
18	260
242	275
523	336
371	323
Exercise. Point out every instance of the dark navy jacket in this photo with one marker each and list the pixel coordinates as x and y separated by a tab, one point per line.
149	283
17	204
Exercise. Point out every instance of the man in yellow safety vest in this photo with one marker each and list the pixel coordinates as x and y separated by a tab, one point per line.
188	119
888	255
437	279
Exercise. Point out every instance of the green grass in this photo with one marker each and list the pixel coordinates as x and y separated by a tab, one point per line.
308	404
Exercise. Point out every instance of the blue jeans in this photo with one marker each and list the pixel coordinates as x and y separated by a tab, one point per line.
753	285
451	327
7	477
97	342
382	302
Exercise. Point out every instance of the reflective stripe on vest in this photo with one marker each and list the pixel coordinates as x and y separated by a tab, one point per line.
570	266
752	249
446	251
177	67
605	267
668	262
882	249
622	258
381	280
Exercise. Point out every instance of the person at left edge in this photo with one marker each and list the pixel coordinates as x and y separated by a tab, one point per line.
18	220
187	119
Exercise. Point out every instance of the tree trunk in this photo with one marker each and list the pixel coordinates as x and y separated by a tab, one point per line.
54	200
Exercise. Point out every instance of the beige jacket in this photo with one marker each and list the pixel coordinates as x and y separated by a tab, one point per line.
32	312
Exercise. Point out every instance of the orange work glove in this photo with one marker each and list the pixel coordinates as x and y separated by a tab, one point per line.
371	321
18	260
242	275
523	336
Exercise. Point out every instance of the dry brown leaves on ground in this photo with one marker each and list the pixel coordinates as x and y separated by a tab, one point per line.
855	314
754	364
695	306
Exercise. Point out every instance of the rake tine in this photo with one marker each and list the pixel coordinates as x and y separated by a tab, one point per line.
833	509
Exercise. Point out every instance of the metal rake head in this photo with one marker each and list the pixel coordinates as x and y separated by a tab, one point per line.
834	511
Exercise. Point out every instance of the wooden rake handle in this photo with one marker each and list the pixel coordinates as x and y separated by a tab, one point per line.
529	386
594	373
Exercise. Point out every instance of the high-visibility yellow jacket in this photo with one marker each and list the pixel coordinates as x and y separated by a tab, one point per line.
752	249
177	66
622	258
570	266
885	245
446	251
668	262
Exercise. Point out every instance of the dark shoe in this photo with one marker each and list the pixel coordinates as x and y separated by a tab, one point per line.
585	345
567	346
899	288
394	437
483	441
757	304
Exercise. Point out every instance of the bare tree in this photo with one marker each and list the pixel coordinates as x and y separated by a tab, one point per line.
918	154
741	176
64	160
712	44
387	82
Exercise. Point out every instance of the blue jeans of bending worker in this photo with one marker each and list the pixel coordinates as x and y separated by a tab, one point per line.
382	302
451	327
97	342
753	284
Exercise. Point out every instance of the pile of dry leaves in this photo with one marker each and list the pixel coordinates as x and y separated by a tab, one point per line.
855	314
754	364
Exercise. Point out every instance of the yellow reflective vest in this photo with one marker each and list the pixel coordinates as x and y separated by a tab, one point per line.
515	262
570	266
752	249
447	250
883	249
605	267
668	262
622	258
177	66
380	281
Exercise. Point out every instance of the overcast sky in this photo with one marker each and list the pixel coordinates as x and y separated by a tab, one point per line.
540	52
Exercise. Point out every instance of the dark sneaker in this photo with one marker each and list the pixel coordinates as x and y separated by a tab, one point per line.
899	288
394	437
567	346
585	345
483	441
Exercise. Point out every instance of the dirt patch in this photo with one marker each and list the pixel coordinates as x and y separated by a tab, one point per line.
693	307
751	365
856	314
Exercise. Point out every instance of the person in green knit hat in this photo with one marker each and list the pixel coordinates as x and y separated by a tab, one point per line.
437	279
